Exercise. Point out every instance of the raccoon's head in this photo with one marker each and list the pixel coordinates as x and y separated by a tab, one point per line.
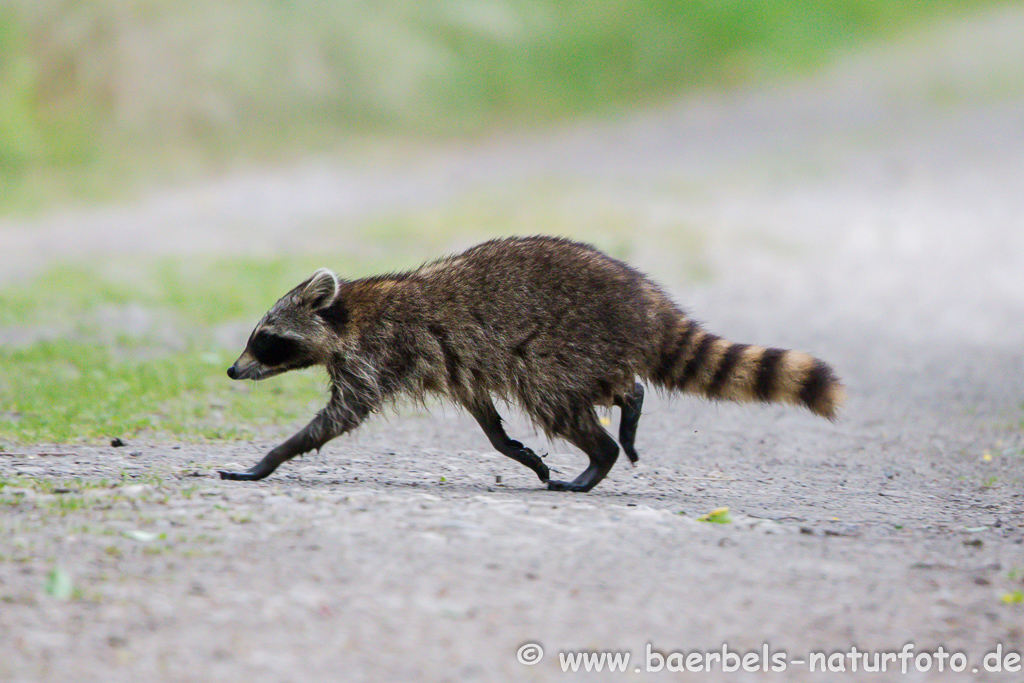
299	331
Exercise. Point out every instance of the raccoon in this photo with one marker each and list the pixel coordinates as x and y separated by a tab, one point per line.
551	325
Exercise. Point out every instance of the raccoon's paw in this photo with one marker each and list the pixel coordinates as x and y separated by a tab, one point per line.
554	485
533	461
247	475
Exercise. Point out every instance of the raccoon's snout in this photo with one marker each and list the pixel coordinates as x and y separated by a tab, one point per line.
247	367
253	371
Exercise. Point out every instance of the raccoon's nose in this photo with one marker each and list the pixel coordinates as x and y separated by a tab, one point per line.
233	372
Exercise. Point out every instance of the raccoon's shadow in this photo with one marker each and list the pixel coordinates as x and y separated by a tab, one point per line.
469	488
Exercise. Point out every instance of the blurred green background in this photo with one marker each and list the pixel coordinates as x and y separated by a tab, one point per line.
99	96
101	100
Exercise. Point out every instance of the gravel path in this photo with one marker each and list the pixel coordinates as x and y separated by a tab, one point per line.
873	215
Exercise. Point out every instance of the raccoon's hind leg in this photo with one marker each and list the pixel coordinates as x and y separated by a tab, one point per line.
631	405
587	434
489	419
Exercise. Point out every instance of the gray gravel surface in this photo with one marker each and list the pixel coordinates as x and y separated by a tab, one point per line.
873	215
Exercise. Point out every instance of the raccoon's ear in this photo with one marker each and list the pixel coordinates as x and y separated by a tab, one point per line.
320	290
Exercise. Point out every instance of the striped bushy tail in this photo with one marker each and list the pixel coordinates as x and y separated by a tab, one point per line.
698	362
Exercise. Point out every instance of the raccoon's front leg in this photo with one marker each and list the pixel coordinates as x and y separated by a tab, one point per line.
324	427
489	419
302	442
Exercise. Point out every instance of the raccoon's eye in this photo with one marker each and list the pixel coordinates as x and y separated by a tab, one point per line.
270	349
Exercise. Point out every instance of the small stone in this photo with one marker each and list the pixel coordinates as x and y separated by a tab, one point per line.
141	536
135	490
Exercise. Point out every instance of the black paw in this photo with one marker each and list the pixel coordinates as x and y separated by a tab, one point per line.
239	476
565	486
531	460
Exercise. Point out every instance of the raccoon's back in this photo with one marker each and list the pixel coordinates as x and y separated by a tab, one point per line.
535	312
550	289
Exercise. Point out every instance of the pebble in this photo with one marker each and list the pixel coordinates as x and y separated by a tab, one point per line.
135	490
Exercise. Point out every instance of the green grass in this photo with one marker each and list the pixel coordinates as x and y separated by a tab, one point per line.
85	394
49	486
67	391
97	97
93	383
